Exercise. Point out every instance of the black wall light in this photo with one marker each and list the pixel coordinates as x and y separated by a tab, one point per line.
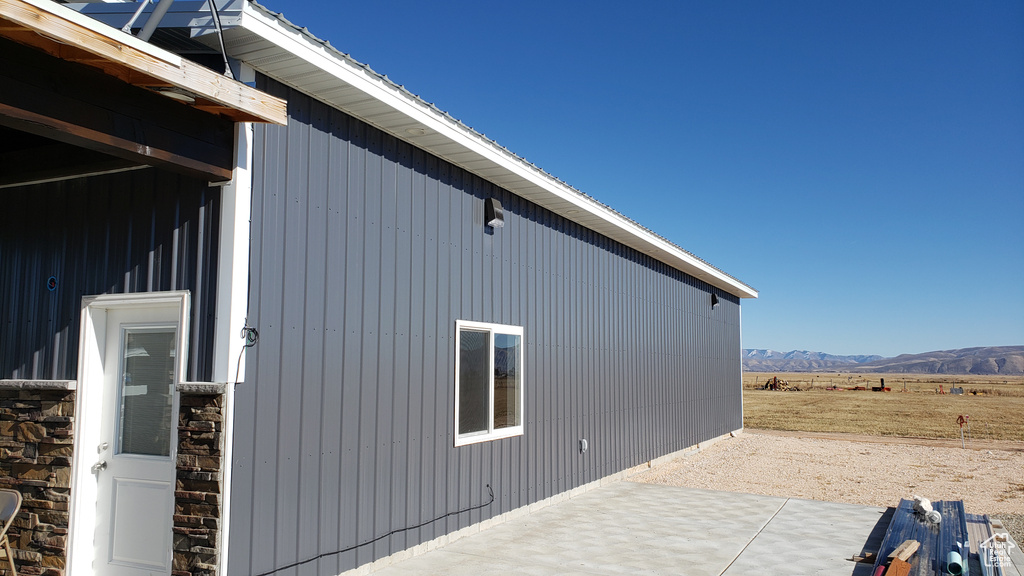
494	216
714	300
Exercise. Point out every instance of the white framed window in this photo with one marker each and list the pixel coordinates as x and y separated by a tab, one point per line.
488	381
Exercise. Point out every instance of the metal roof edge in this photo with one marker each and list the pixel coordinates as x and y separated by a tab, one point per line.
536	184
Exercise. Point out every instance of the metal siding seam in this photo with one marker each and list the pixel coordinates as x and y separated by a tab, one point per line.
461	304
608	361
442	415
528	308
641	359
581	327
350	254
619	379
519	259
403	383
418	305
453	296
646	359
543	451
373	262
551	353
312	174
559	352
385	420
600	355
658	368
352	468
632	453
289	440
329	534
592	309
564	357
610	374
433	384
268	369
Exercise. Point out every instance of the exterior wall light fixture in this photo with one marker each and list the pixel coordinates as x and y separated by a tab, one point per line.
494	216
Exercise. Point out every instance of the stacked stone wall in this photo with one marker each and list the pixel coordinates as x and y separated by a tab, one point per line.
197	506
36	451
36	448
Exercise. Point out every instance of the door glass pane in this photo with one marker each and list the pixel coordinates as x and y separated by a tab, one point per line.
474	361
507	380
147	391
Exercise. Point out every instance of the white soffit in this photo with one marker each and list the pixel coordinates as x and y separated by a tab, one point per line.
292	55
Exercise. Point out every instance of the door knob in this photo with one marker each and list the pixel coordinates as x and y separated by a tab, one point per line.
101	465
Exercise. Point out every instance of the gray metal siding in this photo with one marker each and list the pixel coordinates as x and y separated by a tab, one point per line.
365	250
139	231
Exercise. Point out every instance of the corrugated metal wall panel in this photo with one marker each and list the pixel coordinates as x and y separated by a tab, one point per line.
365	251
140	231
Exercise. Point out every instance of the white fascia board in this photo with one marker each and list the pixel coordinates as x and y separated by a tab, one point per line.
611	224
63	12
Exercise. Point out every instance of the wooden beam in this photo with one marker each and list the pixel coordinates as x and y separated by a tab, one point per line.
77	105
56	161
59	30
905	551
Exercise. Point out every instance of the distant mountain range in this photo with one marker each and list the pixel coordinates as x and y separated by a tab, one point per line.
799	361
1007	360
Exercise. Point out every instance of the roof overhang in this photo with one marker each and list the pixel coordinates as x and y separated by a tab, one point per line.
292	55
66	34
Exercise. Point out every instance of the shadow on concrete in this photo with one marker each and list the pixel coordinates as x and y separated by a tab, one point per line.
874	542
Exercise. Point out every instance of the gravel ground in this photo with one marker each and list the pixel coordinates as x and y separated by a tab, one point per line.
989	481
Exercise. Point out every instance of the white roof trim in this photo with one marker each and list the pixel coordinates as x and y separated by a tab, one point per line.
294	48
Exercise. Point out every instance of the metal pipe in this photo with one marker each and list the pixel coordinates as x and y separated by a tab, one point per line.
154	19
127	28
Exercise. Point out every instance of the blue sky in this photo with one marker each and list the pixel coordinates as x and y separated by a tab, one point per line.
861	164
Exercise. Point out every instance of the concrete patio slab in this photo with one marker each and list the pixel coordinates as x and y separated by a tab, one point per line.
632	528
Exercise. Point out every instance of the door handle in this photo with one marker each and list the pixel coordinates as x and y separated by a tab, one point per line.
101	465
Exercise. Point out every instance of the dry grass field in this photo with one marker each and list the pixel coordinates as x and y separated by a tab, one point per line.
995	405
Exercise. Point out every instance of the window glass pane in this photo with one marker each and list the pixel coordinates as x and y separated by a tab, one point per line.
507	380
474	360
147	389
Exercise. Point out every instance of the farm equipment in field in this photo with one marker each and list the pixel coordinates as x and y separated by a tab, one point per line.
776	383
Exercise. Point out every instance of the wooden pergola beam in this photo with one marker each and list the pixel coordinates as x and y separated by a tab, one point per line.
78	105
66	34
56	161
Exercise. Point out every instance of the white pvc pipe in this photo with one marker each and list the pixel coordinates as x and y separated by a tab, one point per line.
954	564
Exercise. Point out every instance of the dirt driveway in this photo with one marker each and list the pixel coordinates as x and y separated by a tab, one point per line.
868	470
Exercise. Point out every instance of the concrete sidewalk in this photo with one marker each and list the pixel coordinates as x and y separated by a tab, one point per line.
631	528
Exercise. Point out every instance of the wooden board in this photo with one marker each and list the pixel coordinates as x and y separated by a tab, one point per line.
59	31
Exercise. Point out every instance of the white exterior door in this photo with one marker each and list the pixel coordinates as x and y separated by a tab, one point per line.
135	455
